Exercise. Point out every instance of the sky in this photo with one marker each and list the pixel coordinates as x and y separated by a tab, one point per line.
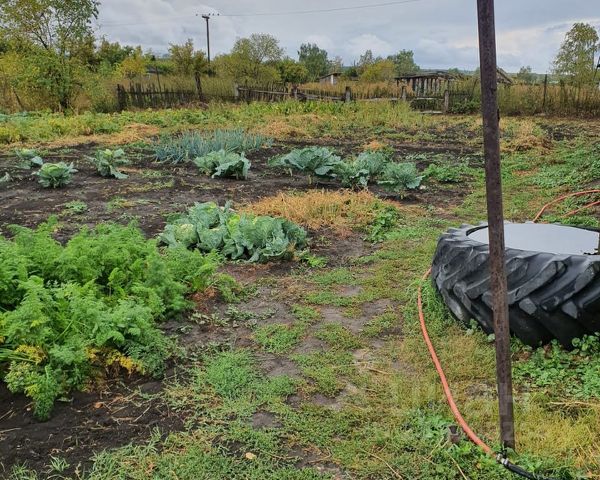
442	33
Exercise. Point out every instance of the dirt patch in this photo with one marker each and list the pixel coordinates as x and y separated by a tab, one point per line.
89	423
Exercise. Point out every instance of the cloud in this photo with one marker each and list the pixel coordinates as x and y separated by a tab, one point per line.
442	33
367	41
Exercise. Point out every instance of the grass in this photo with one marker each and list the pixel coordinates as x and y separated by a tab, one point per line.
367	403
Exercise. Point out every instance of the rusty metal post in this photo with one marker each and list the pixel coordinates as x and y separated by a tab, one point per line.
491	145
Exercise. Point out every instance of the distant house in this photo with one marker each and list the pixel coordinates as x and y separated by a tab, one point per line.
427	81
330	78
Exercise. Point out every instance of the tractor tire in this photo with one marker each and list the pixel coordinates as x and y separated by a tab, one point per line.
550	296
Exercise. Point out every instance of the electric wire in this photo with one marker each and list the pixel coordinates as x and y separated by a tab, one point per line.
267	14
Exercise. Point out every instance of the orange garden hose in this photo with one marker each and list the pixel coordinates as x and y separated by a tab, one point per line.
438	366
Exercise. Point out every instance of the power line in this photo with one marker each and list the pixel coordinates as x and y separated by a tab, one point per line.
270	14
322	10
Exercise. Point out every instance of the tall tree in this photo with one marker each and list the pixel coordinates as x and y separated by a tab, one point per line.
186	60
405	62
575	59
365	60
54	37
336	64
314	59
59	26
291	71
252	59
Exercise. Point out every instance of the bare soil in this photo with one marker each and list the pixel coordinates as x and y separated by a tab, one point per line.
114	415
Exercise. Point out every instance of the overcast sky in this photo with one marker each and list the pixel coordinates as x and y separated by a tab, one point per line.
442	33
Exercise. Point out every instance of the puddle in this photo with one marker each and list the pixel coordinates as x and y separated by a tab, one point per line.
538	237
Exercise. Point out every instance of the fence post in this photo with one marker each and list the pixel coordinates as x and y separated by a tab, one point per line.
403	94
348	95
545	92
121	100
446	100
294	92
236	92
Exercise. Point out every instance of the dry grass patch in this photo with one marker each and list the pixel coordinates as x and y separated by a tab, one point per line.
342	211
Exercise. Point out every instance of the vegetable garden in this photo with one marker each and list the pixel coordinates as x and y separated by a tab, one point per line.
230	294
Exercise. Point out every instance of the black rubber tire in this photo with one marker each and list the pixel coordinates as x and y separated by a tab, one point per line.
549	295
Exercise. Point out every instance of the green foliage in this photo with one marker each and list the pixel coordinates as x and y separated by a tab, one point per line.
208	227
223	163
55	175
445	173
576	57
574	373
75	207
191	145
5	179
186	60
279	337
314	60
28	158
386	220
314	161
359	171
398	177
71	312
108	161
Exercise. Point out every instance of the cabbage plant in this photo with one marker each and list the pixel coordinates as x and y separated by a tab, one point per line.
314	161
108	161
398	177
28	158
55	175
224	164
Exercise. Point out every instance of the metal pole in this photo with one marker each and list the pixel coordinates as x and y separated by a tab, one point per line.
491	145
206	17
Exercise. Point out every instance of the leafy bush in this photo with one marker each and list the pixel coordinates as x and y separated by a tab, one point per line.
70	313
208	227
108	161
224	164
28	158
398	177
314	161
190	145
358	172
55	175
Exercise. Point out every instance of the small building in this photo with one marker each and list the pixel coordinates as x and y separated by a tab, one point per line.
426	82
330	78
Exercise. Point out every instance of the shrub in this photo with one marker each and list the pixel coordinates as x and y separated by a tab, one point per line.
70	313
190	145
398	177
208	227
223	164
55	175
445	173
108	161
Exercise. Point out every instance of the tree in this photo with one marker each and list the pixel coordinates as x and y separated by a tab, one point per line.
404	62
336	65
575	59
525	75
379	71
187	61
133	66
314	59
291	71
365	60
253	59
112	53
59	26
54	38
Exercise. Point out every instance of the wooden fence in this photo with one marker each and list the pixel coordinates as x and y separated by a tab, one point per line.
149	96
275	93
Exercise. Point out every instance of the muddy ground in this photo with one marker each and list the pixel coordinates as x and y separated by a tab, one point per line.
127	410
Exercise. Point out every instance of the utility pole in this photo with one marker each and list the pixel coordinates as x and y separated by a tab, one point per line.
493	187
206	17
